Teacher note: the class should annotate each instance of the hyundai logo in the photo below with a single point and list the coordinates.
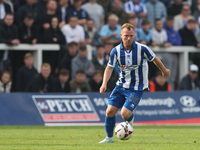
(188, 101)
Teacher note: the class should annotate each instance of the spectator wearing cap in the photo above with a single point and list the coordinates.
(110, 32)
(62, 82)
(66, 61)
(73, 31)
(191, 81)
(76, 10)
(82, 62)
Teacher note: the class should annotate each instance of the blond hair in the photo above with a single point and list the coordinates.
(46, 65)
(28, 55)
(128, 26)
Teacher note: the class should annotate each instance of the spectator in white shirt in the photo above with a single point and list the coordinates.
(159, 35)
(72, 31)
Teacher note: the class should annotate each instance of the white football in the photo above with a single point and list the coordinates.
(124, 131)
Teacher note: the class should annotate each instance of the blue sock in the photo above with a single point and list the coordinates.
(131, 117)
(109, 125)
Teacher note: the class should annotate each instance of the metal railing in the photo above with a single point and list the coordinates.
(37, 49)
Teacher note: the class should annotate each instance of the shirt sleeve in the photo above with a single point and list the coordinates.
(112, 59)
(103, 31)
(148, 53)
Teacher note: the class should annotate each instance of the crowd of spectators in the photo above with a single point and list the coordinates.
(75, 24)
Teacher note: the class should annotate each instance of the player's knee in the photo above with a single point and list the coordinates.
(110, 113)
(125, 116)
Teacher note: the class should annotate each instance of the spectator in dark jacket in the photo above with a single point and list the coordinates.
(8, 31)
(45, 22)
(63, 8)
(5, 8)
(29, 8)
(118, 10)
(43, 82)
(100, 61)
(187, 34)
(191, 81)
(53, 34)
(66, 61)
(175, 8)
(96, 81)
(25, 73)
(27, 30)
(62, 83)
(50, 13)
(8, 35)
(42, 6)
(76, 10)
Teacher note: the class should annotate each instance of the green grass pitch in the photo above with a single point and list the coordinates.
(87, 138)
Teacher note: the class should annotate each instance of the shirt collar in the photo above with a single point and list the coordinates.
(122, 47)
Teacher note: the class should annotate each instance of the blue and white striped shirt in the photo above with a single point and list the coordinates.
(132, 64)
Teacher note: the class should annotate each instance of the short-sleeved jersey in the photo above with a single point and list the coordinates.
(132, 64)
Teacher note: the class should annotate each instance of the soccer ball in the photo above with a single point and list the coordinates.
(124, 131)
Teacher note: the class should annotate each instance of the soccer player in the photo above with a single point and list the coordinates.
(131, 58)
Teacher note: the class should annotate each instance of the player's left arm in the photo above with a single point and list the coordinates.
(160, 65)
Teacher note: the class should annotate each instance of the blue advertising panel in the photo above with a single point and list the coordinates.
(169, 108)
(18, 109)
(90, 108)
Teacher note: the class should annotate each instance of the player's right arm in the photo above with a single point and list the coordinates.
(108, 71)
(107, 74)
(160, 65)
